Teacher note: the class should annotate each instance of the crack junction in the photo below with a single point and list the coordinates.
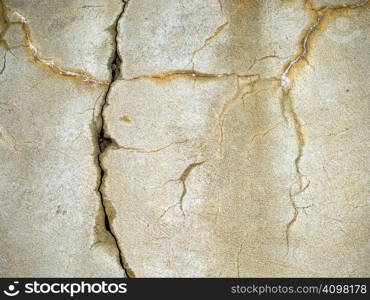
(287, 106)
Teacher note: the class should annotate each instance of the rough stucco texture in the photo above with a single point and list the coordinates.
(184, 138)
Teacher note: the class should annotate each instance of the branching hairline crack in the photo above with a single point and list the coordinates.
(102, 140)
(182, 179)
(287, 105)
(241, 92)
(215, 33)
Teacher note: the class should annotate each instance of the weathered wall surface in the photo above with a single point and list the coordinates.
(55, 57)
(184, 138)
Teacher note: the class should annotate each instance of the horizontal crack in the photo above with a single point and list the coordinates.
(192, 74)
(142, 150)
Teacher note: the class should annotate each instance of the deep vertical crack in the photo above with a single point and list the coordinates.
(103, 141)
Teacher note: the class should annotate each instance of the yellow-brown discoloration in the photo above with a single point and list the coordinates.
(11, 17)
(320, 17)
(126, 118)
(191, 74)
(101, 236)
(252, 87)
(216, 32)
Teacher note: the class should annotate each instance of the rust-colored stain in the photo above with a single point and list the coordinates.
(47, 63)
(320, 17)
(192, 74)
(125, 118)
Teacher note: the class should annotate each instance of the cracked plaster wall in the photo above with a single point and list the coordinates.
(184, 138)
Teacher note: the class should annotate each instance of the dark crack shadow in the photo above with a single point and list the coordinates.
(104, 141)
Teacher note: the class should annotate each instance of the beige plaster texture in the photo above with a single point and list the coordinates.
(207, 138)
